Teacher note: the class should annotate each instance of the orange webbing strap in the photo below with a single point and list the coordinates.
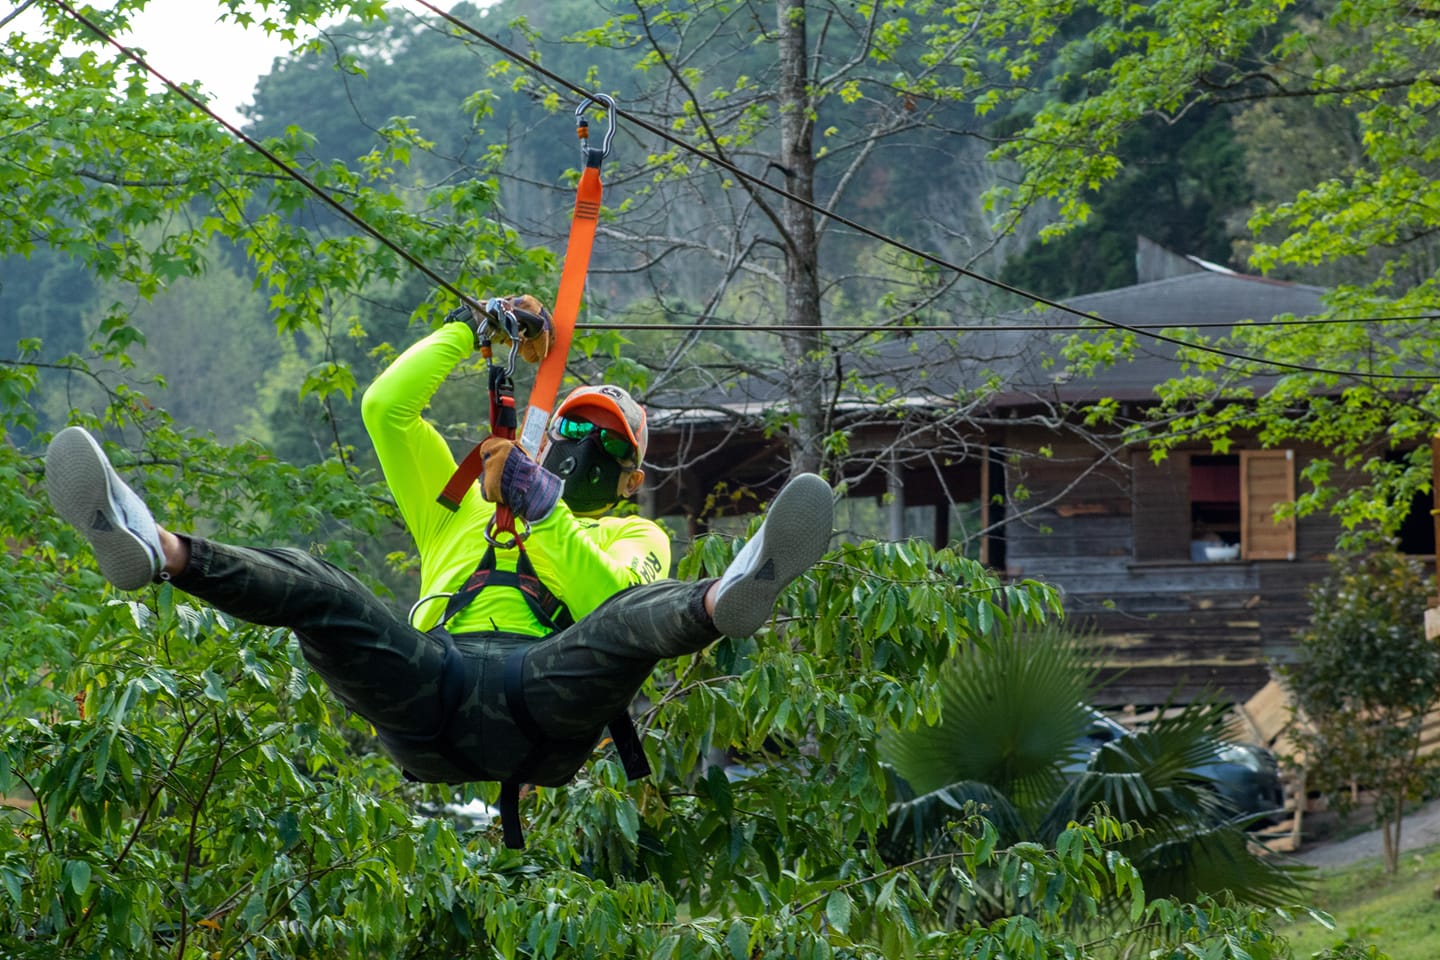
(562, 322)
(567, 308)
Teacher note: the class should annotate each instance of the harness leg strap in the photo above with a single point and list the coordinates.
(622, 732)
(510, 789)
(515, 698)
(510, 814)
(627, 745)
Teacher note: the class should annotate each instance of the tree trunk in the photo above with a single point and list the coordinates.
(802, 287)
(1392, 831)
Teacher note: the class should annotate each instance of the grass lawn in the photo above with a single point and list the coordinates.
(1399, 914)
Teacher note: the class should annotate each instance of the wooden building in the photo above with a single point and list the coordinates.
(1179, 565)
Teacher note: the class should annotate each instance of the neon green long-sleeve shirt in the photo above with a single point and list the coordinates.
(582, 560)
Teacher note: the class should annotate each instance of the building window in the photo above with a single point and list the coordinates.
(1214, 507)
(1210, 508)
(1416, 535)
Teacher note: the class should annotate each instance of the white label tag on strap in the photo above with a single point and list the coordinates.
(532, 430)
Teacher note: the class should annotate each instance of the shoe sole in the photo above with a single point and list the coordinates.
(794, 536)
(81, 482)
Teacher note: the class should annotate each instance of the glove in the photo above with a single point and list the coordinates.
(510, 477)
(521, 317)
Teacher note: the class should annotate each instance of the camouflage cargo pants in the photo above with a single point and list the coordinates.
(574, 681)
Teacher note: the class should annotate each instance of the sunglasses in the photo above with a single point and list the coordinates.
(612, 442)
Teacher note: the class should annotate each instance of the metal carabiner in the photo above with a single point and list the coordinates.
(591, 156)
(517, 535)
(499, 316)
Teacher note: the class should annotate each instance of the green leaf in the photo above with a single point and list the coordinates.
(78, 872)
(287, 829)
(738, 940)
(837, 910)
(215, 687)
(13, 886)
(717, 786)
(404, 851)
(628, 818)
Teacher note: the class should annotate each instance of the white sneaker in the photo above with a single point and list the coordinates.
(794, 535)
(89, 495)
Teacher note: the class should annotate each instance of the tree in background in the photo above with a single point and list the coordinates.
(1184, 188)
(908, 86)
(140, 190)
(687, 241)
(1364, 678)
(878, 112)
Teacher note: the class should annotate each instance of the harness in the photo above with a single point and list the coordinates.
(554, 616)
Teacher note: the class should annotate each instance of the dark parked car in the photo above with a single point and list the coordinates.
(1246, 775)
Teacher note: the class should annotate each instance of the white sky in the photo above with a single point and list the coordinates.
(184, 40)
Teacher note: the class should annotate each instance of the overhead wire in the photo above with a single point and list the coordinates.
(907, 329)
(924, 255)
(16, 12)
(1145, 330)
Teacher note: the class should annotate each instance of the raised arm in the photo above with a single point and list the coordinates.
(415, 458)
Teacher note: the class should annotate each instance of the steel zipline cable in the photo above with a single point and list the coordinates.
(16, 12)
(1144, 330)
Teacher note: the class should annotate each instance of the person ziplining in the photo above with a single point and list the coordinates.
(542, 640)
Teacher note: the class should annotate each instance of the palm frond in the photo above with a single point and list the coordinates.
(1187, 861)
(1012, 718)
(919, 826)
(1010, 714)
